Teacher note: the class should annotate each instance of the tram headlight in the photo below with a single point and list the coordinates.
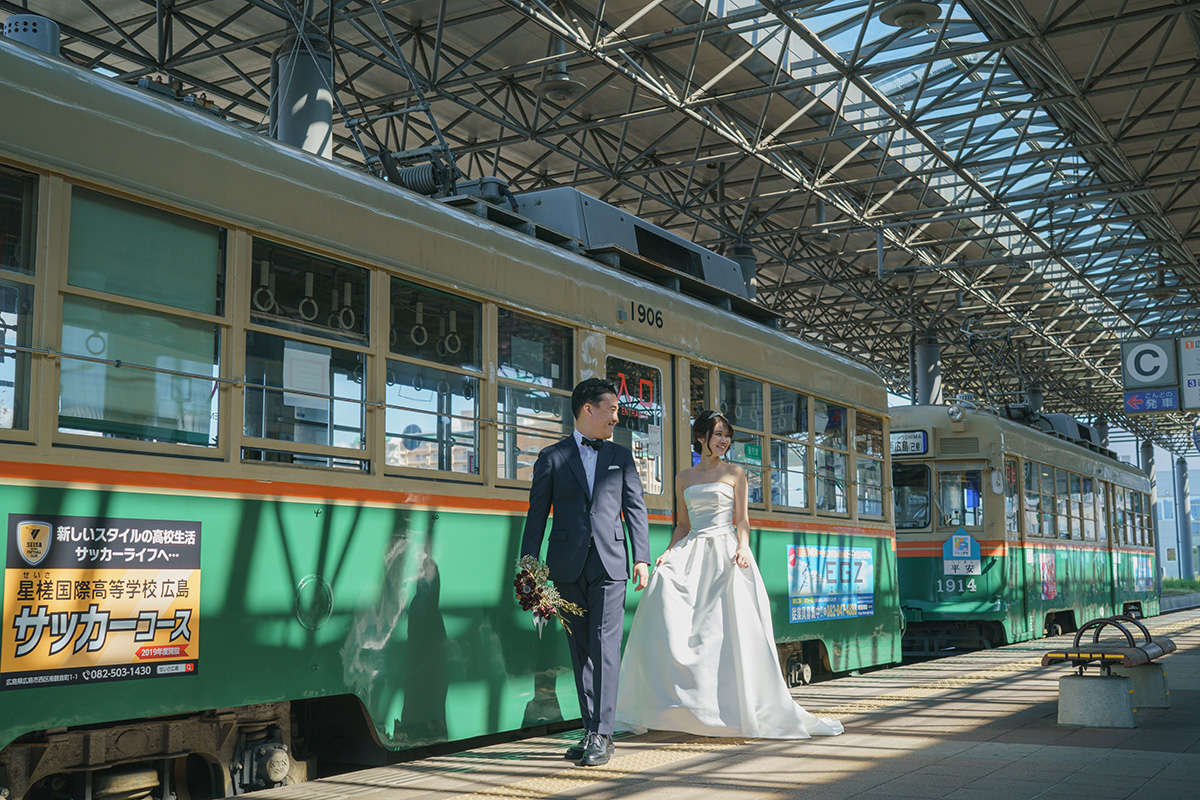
(956, 413)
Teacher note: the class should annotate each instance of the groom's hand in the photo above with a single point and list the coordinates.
(641, 575)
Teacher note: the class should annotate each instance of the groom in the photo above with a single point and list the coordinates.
(591, 483)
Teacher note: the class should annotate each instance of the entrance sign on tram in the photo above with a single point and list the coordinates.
(1149, 364)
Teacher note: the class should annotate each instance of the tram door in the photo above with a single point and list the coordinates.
(644, 385)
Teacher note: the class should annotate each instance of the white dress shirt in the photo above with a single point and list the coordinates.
(589, 456)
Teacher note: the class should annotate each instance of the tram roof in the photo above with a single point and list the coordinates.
(1027, 169)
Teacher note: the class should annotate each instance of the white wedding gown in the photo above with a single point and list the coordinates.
(701, 651)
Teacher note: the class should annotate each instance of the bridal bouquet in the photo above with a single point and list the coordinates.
(535, 594)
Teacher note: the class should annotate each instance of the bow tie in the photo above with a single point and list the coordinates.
(592, 443)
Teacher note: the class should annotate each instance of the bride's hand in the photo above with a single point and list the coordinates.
(658, 561)
(742, 557)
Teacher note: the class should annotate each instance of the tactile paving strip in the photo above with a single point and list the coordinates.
(619, 767)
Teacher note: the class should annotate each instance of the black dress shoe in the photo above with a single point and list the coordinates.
(576, 751)
(599, 751)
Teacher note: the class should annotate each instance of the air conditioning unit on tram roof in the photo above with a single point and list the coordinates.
(1069, 428)
(600, 225)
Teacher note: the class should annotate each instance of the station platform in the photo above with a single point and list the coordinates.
(975, 726)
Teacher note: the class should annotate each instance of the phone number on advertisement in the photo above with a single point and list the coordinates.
(105, 673)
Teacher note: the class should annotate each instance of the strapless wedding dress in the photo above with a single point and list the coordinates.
(701, 651)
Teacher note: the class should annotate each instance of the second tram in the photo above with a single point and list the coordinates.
(1008, 532)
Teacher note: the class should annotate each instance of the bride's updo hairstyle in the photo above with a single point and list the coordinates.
(704, 427)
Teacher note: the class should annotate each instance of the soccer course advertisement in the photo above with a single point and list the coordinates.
(96, 599)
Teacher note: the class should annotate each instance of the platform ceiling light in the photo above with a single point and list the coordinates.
(821, 234)
(910, 14)
(1160, 290)
(559, 86)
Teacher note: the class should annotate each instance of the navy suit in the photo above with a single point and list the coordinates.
(588, 560)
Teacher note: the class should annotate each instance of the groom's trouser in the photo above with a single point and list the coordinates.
(595, 641)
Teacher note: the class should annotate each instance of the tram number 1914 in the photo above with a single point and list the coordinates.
(645, 315)
(952, 586)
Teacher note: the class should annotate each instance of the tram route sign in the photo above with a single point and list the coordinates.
(1149, 364)
(1189, 372)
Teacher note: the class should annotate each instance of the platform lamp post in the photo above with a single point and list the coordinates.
(1183, 509)
(1148, 468)
(927, 355)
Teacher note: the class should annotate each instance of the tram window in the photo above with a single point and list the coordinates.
(829, 425)
(741, 401)
(536, 374)
(1076, 506)
(1033, 499)
(960, 499)
(530, 419)
(303, 293)
(432, 419)
(911, 484)
(789, 414)
(1062, 507)
(1012, 497)
(304, 393)
(1120, 516)
(789, 448)
(698, 393)
(144, 253)
(640, 418)
(1049, 509)
(435, 326)
(1088, 493)
(868, 443)
(831, 481)
(789, 473)
(164, 391)
(16, 317)
(1147, 521)
(868, 435)
(18, 204)
(870, 487)
(1127, 518)
(829, 432)
(1103, 524)
(747, 451)
(1138, 528)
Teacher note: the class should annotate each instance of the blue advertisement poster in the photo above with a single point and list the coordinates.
(830, 582)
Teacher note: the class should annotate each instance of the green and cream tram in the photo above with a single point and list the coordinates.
(266, 430)
(1008, 532)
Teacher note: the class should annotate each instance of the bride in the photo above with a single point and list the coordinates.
(701, 651)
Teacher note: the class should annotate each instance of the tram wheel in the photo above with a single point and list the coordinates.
(1054, 629)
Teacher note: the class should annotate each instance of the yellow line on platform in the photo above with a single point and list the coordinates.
(619, 767)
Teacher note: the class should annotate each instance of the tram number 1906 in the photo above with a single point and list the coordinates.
(645, 315)
(956, 586)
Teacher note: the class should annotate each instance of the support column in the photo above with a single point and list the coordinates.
(1183, 519)
(302, 95)
(928, 358)
(1148, 468)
